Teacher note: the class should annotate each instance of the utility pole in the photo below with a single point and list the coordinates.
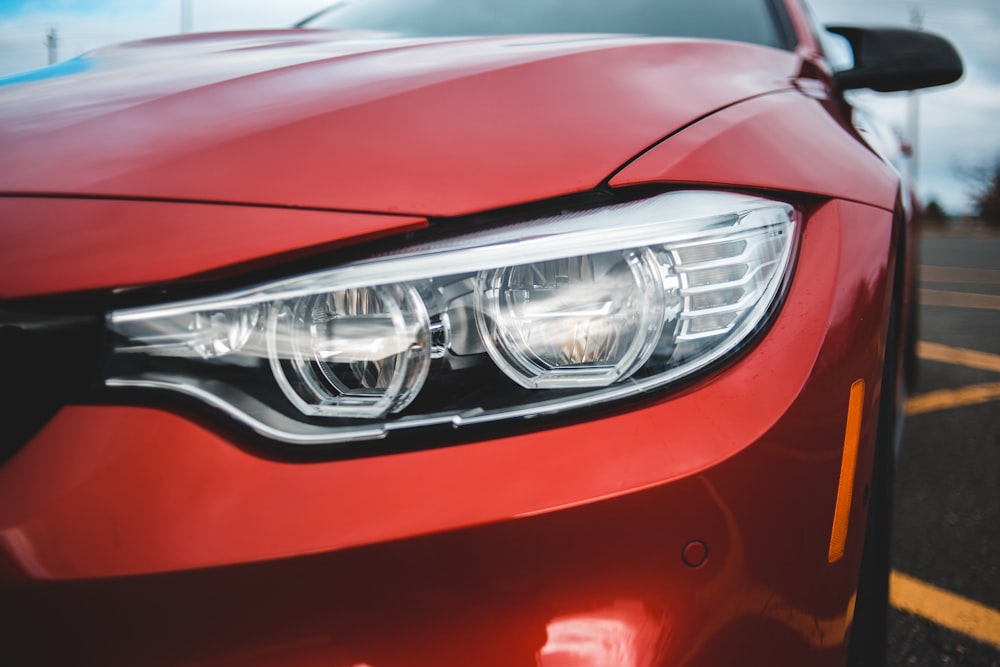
(185, 16)
(52, 44)
(913, 103)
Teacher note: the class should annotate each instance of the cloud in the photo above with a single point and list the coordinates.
(957, 123)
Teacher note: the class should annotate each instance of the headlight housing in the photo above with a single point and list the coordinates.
(530, 318)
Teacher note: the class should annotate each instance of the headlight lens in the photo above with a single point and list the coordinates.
(574, 322)
(357, 352)
(531, 318)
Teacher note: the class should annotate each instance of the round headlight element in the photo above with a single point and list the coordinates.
(361, 352)
(583, 321)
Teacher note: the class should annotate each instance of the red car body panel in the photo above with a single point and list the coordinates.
(437, 128)
(596, 523)
(802, 146)
(111, 244)
(692, 529)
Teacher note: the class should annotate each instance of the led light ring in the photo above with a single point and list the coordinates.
(507, 333)
(316, 388)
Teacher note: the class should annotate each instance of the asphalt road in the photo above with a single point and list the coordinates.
(947, 502)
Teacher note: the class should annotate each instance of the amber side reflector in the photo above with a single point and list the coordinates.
(842, 511)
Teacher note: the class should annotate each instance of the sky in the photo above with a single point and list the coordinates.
(958, 124)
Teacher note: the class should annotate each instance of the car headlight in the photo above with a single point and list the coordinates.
(531, 318)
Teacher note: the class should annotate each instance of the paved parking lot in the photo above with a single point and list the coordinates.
(946, 541)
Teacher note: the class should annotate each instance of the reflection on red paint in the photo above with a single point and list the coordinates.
(623, 635)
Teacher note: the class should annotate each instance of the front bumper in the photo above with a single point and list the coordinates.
(137, 536)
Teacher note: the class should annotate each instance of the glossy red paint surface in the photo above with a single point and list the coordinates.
(786, 141)
(590, 534)
(55, 246)
(138, 536)
(208, 503)
(430, 128)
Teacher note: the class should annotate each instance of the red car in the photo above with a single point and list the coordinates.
(454, 332)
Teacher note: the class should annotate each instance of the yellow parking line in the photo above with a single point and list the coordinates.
(933, 297)
(953, 398)
(958, 274)
(946, 609)
(959, 356)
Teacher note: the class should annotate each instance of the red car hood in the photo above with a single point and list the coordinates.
(362, 122)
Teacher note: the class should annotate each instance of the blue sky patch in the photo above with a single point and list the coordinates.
(9, 8)
(65, 68)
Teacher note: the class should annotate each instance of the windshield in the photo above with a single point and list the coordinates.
(755, 21)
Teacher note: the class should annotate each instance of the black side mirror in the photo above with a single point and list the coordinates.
(894, 59)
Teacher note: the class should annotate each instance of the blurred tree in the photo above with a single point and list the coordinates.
(986, 192)
(933, 213)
